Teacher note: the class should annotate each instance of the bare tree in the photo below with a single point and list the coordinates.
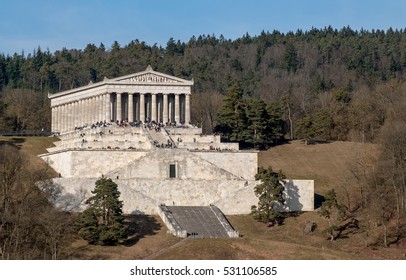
(10, 167)
(205, 107)
(27, 109)
(30, 226)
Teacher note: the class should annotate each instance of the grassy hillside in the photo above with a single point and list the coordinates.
(32, 147)
(329, 164)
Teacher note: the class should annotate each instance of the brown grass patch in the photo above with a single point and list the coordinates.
(329, 164)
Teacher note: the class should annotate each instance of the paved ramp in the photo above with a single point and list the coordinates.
(197, 222)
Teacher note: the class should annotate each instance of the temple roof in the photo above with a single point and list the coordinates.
(147, 77)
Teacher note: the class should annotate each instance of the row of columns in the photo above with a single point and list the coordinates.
(173, 108)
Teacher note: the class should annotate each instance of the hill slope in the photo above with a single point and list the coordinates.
(329, 164)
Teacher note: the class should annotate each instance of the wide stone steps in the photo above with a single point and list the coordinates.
(197, 221)
(157, 136)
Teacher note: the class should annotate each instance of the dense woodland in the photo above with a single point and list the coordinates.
(322, 84)
(338, 82)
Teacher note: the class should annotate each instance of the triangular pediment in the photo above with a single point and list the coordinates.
(149, 76)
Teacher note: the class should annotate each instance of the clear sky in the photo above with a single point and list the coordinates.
(54, 24)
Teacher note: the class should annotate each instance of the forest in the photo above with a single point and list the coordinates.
(326, 83)
(317, 85)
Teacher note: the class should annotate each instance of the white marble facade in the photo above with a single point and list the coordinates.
(144, 96)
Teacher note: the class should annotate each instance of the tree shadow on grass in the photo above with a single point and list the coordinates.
(140, 226)
(18, 140)
(15, 141)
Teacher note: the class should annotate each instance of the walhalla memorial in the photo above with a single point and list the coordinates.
(136, 130)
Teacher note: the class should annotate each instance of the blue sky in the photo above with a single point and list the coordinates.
(54, 24)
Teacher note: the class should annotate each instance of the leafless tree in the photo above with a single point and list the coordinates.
(205, 107)
(30, 226)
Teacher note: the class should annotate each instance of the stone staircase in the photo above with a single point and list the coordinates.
(159, 137)
(197, 221)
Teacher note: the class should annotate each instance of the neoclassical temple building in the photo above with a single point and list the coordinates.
(144, 96)
(144, 142)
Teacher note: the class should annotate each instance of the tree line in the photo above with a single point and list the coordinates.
(321, 80)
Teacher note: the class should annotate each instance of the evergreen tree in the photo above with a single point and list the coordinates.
(257, 132)
(334, 212)
(275, 122)
(323, 124)
(232, 117)
(291, 58)
(305, 129)
(270, 196)
(103, 222)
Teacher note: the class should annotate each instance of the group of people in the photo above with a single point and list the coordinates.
(169, 144)
(151, 125)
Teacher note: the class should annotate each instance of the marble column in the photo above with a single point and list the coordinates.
(98, 108)
(53, 118)
(119, 116)
(187, 109)
(170, 108)
(63, 117)
(88, 111)
(91, 110)
(101, 108)
(106, 107)
(59, 122)
(54, 127)
(112, 108)
(70, 116)
(136, 100)
(84, 111)
(165, 109)
(74, 114)
(130, 107)
(60, 117)
(153, 107)
(142, 107)
(80, 112)
(67, 116)
(59, 125)
(83, 114)
(86, 105)
(177, 109)
(148, 107)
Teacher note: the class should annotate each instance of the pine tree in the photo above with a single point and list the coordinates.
(291, 58)
(275, 122)
(103, 221)
(334, 212)
(305, 129)
(257, 132)
(270, 196)
(232, 116)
